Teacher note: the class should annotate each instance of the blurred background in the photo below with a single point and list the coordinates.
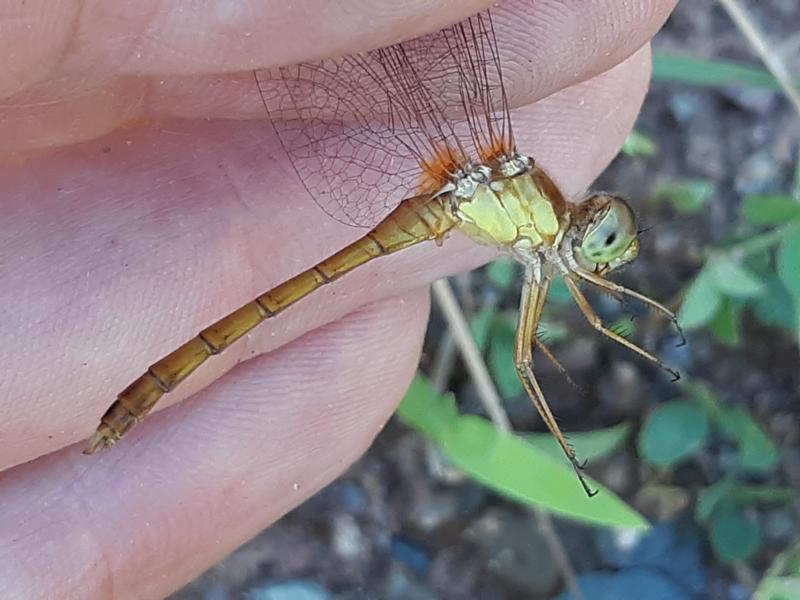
(712, 462)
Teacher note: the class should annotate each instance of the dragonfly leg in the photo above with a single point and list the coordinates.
(533, 297)
(597, 323)
(621, 291)
(540, 345)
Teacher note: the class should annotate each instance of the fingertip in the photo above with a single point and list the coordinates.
(195, 481)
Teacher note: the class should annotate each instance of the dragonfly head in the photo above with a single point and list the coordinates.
(608, 239)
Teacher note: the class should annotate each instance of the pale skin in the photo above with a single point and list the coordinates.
(110, 250)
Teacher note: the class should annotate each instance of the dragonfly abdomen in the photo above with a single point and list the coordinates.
(415, 220)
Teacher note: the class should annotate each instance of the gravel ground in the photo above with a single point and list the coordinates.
(401, 524)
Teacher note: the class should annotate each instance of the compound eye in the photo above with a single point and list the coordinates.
(610, 235)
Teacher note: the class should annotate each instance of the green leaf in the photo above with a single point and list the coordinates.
(701, 302)
(480, 324)
(734, 536)
(588, 445)
(672, 432)
(710, 72)
(686, 197)
(776, 307)
(778, 588)
(756, 450)
(763, 494)
(508, 464)
(711, 497)
(639, 144)
(770, 210)
(732, 278)
(789, 262)
(514, 468)
(559, 294)
(425, 410)
(501, 358)
(725, 323)
(503, 272)
(624, 326)
(728, 490)
(782, 579)
(550, 331)
(704, 396)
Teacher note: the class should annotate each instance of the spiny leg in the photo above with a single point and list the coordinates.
(613, 287)
(531, 304)
(552, 358)
(595, 322)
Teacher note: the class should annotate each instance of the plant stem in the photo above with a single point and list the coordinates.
(487, 392)
(760, 242)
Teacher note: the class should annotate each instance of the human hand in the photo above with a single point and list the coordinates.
(125, 230)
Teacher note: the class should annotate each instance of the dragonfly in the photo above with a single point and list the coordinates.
(414, 142)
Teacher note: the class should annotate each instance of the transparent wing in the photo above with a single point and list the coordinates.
(366, 131)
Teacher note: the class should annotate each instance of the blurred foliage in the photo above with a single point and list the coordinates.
(675, 431)
(522, 469)
(710, 72)
(638, 144)
(755, 271)
(500, 358)
(782, 580)
(687, 197)
(759, 272)
(592, 445)
(672, 432)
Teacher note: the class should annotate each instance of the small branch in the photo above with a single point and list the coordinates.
(762, 241)
(773, 61)
(487, 392)
(443, 362)
(459, 329)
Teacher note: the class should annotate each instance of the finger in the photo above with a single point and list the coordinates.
(545, 46)
(126, 254)
(188, 489)
(194, 481)
(116, 39)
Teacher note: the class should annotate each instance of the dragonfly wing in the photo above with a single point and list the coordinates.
(366, 131)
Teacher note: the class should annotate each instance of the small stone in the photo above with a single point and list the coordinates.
(618, 472)
(754, 99)
(687, 105)
(779, 525)
(401, 585)
(757, 174)
(671, 548)
(459, 558)
(515, 551)
(347, 539)
(676, 355)
(440, 468)
(434, 511)
(736, 591)
(410, 554)
(704, 153)
(580, 354)
(344, 495)
(216, 590)
(298, 589)
(662, 502)
(621, 391)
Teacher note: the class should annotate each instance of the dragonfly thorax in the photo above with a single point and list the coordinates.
(520, 213)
